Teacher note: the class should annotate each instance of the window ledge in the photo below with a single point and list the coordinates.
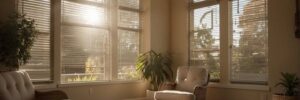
(240, 86)
(69, 85)
(45, 86)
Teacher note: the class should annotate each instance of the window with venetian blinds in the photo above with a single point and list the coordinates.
(248, 36)
(205, 39)
(249, 41)
(100, 42)
(38, 66)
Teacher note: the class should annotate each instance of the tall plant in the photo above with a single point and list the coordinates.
(155, 68)
(17, 35)
(290, 83)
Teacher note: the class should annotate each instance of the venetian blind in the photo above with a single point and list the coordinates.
(128, 38)
(205, 39)
(38, 66)
(249, 41)
(85, 41)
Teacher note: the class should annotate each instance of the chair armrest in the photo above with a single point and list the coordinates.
(50, 95)
(167, 86)
(200, 92)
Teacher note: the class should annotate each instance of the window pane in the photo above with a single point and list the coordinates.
(83, 14)
(249, 41)
(128, 19)
(128, 47)
(205, 40)
(38, 66)
(129, 3)
(85, 54)
(86, 47)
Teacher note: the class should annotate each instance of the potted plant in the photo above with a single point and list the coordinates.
(17, 35)
(290, 84)
(155, 68)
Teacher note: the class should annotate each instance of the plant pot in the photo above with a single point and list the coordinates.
(283, 97)
(150, 94)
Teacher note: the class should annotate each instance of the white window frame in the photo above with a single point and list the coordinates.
(56, 48)
(225, 46)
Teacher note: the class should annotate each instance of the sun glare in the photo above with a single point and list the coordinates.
(92, 16)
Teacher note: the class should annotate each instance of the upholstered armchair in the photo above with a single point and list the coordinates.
(16, 85)
(190, 84)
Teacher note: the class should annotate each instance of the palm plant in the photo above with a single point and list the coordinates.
(155, 68)
(290, 83)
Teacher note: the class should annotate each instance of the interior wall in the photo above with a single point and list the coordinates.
(115, 91)
(156, 15)
(7, 8)
(284, 48)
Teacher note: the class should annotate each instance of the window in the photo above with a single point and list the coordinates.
(205, 39)
(38, 66)
(100, 39)
(249, 41)
(245, 46)
(128, 38)
(100, 42)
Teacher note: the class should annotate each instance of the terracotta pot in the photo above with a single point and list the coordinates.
(283, 97)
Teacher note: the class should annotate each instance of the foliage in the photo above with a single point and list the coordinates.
(251, 51)
(155, 68)
(203, 39)
(82, 78)
(17, 35)
(290, 83)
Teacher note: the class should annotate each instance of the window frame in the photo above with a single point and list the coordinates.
(226, 30)
(56, 45)
(192, 7)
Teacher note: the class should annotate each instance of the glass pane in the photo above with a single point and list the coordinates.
(86, 54)
(81, 14)
(128, 49)
(129, 3)
(128, 19)
(205, 40)
(38, 67)
(249, 40)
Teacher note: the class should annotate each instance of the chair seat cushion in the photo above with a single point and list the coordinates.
(173, 95)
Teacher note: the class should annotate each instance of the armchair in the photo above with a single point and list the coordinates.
(191, 83)
(16, 85)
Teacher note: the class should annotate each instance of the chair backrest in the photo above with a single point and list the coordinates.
(16, 85)
(189, 77)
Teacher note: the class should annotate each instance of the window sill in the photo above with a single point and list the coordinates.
(69, 85)
(240, 86)
(45, 86)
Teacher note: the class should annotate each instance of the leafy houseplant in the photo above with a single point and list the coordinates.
(290, 84)
(17, 35)
(155, 68)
